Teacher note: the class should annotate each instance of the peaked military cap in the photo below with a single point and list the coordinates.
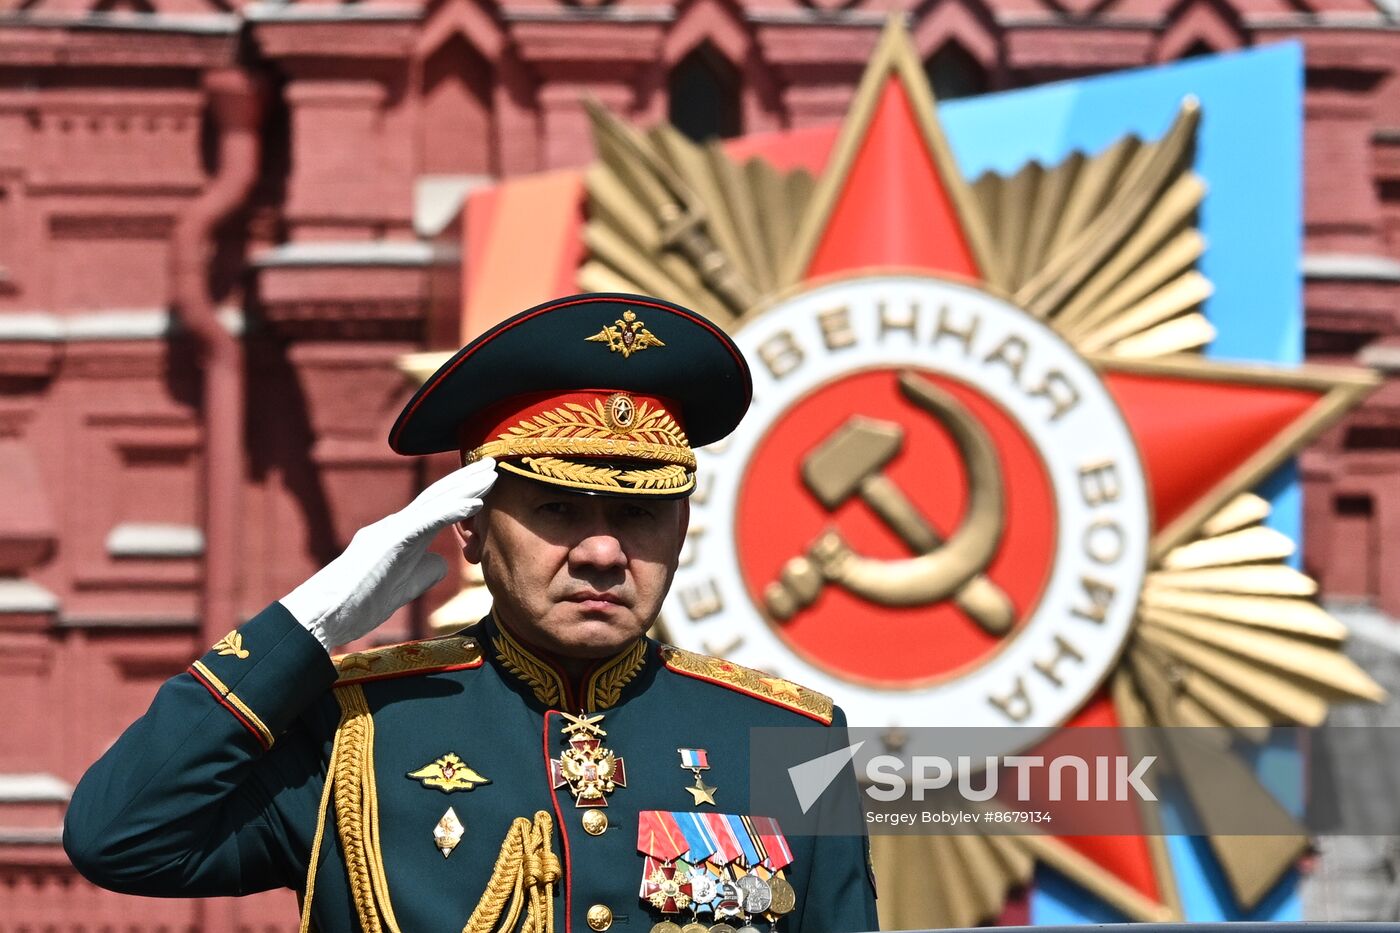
(601, 393)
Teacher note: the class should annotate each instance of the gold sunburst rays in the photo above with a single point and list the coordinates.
(977, 873)
(1105, 247)
(1202, 762)
(1228, 635)
(685, 222)
(1229, 638)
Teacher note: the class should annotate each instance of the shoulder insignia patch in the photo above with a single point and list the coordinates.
(232, 643)
(775, 690)
(449, 653)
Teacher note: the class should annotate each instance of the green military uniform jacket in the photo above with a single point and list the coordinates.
(217, 789)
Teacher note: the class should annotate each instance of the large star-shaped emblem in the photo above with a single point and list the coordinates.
(890, 196)
(1224, 633)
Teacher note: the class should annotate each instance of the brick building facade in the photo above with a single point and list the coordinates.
(221, 223)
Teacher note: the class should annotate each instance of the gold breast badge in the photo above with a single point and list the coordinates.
(590, 770)
(447, 774)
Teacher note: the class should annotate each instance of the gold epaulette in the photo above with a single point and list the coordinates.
(774, 690)
(449, 653)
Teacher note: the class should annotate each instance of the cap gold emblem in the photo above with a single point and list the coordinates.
(621, 412)
(627, 335)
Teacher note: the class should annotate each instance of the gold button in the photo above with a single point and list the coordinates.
(595, 822)
(599, 917)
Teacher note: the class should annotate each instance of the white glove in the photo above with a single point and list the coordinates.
(387, 564)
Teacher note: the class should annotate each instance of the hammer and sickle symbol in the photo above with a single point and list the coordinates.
(851, 462)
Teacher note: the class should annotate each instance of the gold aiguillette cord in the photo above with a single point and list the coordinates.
(526, 862)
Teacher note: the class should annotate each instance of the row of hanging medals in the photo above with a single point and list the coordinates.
(592, 772)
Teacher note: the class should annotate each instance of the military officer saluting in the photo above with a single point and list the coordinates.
(550, 768)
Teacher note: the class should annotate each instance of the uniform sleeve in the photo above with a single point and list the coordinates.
(214, 791)
(840, 895)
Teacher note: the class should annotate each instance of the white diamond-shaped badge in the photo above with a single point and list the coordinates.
(448, 832)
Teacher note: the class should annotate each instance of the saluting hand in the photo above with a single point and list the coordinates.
(387, 563)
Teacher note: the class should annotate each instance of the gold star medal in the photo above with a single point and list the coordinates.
(696, 760)
(590, 770)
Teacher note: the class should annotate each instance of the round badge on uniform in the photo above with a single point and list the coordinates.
(757, 894)
(620, 411)
(784, 897)
(595, 822)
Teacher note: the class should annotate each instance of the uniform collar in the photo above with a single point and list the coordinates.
(600, 687)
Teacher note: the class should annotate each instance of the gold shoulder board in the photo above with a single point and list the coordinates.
(775, 690)
(449, 653)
